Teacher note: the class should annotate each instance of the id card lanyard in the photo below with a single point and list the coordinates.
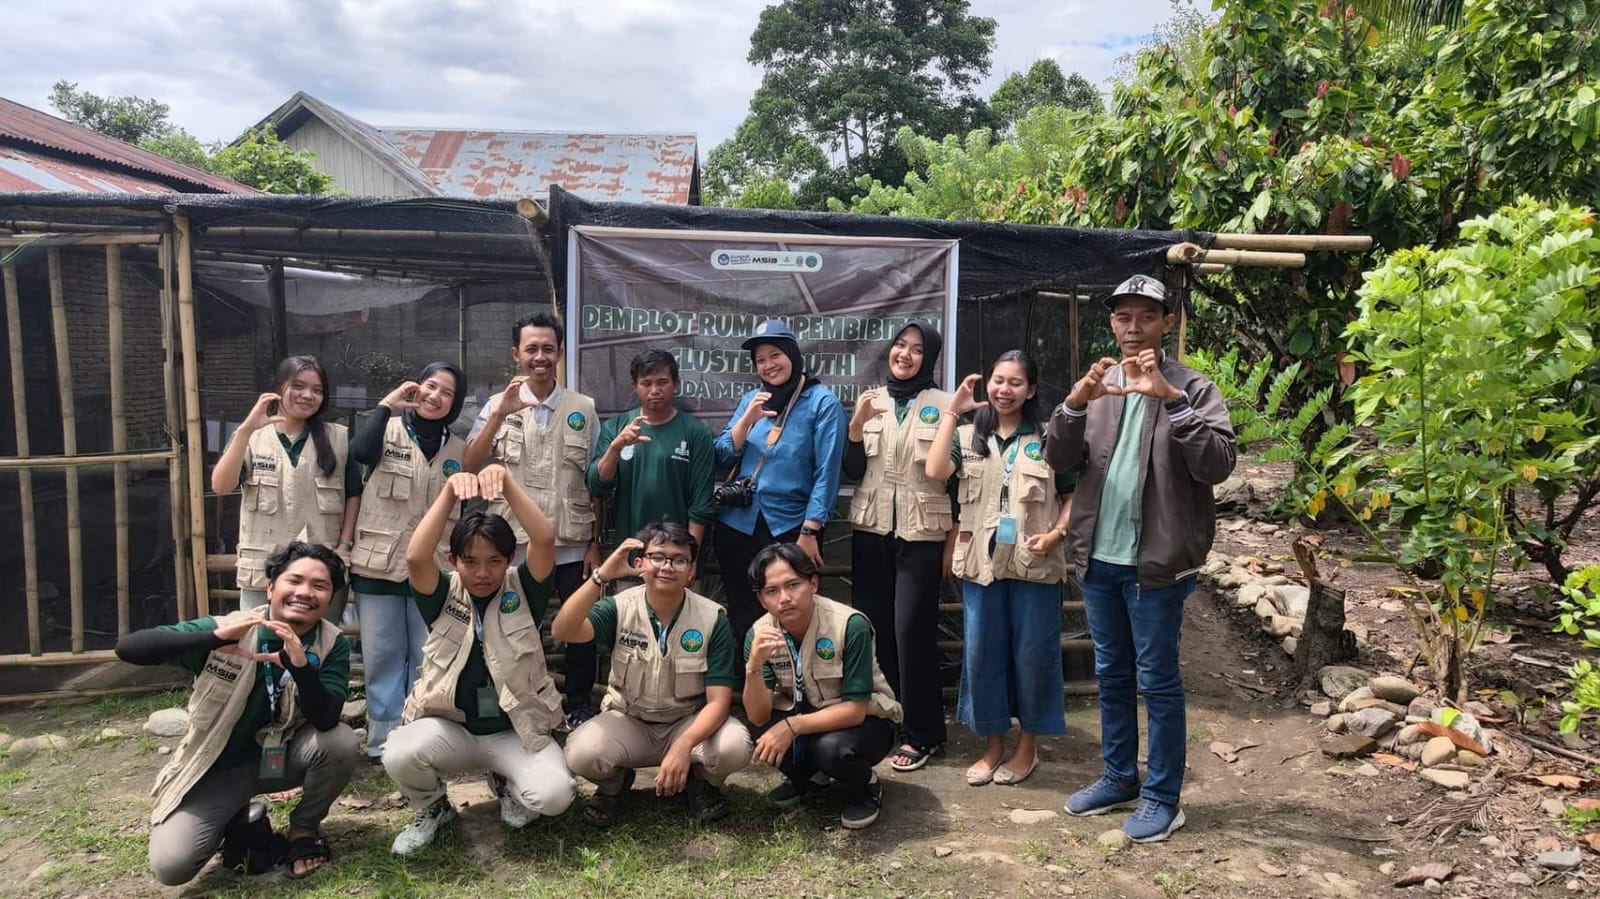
(274, 755)
(488, 697)
(798, 668)
(1005, 533)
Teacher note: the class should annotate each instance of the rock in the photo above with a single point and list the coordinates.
(1491, 841)
(1466, 758)
(1233, 524)
(1031, 816)
(1421, 707)
(40, 871)
(1560, 860)
(1347, 704)
(1474, 707)
(1466, 724)
(1265, 610)
(1519, 878)
(1366, 770)
(1249, 594)
(1450, 780)
(168, 722)
(111, 733)
(1348, 746)
(1114, 840)
(1339, 681)
(1283, 625)
(1437, 751)
(1290, 644)
(1322, 708)
(1267, 529)
(5, 739)
(1371, 722)
(1386, 869)
(1292, 599)
(1408, 735)
(27, 747)
(1394, 689)
(1229, 580)
(163, 750)
(942, 851)
(353, 711)
(1336, 724)
(1555, 808)
(1232, 494)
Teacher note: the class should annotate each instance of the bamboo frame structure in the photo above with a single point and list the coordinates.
(1190, 253)
(281, 233)
(191, 410)
(88, 460)
(69, 445)
(77, 657)
(178, 509)
(19, 409)
(76, 240)
(1305, 243)
(119, 427)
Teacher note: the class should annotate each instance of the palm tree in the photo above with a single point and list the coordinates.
(1411, 18)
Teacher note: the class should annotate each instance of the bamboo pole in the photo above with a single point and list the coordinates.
(175, 492)
(119, 428)
(1338, 243)
(76, 240)
(80, 227)
(530, 209)
(278, 289)
(54, 696)
(69, 444)
(191, 413)
(1188, 253)
(50, 659)
(19, 411)
(1210, 268)
(1183, 330)
(264, 231)
(84, 461)
(461, 329)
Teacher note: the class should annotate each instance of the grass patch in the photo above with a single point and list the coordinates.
(107, 707)
(10, 777)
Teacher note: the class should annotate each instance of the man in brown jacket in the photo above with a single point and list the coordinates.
(1147, 438)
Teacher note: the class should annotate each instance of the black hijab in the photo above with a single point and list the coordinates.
(430, 432)
(932, 343)
(797, 368)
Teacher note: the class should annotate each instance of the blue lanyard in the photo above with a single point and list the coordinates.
(799, 672)
(1011, 464)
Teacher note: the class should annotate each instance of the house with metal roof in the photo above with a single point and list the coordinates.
(369, 161)
(40, 152)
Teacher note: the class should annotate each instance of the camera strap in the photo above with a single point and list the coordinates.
(772, 435)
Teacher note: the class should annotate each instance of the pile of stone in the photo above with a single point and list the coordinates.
(1367, 713)
(1261, 587)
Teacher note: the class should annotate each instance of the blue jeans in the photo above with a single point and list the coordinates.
(392, 634)
(1012, 664)
(1135, 634)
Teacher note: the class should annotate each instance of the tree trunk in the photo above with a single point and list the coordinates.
(1323, 639)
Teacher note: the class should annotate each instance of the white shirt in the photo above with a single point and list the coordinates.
(543, 411)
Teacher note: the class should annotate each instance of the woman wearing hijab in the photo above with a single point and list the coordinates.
(409, 457)
(787, 436)
(902, 521)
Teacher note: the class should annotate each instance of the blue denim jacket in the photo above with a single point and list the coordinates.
(801, 478)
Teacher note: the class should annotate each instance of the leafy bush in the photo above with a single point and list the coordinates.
(1580, 614)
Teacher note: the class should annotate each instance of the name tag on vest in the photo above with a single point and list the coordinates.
(398, 454)
(633, 640)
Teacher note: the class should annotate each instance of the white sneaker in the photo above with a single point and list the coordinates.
(424, 826)
(515, 815)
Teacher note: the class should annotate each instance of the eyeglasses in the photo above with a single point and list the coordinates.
(662, 560)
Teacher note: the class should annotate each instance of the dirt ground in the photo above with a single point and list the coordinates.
(1277, 822)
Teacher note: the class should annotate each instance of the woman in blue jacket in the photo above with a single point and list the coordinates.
(788, 434)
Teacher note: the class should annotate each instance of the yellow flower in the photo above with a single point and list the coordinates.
(1529, 472)
(1461, 522)
(1461, 613)
(1538, 433)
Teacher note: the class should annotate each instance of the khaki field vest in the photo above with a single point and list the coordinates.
(1033, 501)
(218, 699)
(895, 493)
(282, 502)
(513, 651)
(645, 684)
(552, 465)
(822, 663)
(402, 487)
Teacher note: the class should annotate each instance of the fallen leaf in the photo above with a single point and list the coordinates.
(1560, 781)
(1224, 751)
(1592, 840)
(1492, 635)
(1587, 805)
(1424, 873)
(355, 802)
(1461, 740)
(1272, 870)
(1547, 844)
(1394, 761)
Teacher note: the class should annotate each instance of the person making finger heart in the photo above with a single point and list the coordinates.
(1147, 437)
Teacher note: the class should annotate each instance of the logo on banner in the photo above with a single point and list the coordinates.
(765, 261)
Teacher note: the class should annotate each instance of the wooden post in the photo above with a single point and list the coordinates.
(279, 291)
(461, 331)
(181, 574)
(191, 412)
(19, 411)
(69, 444)
(1323, 639)
(119, 427)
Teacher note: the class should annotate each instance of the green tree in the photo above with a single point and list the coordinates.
(180, 146)
(263, 161)
(130, 119)
(1042, 85)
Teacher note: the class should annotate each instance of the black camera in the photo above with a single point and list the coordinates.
(735, 494)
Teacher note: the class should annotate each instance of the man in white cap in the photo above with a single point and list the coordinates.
(1147, 437)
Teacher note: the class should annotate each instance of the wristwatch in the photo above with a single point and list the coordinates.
(807, 530)
(598, 580)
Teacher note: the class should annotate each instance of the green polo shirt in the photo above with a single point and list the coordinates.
(334, 672)
(476, 672)
(719, 652)
(1064, 480)
(1116, 529)
(668, 479)
(857, 685)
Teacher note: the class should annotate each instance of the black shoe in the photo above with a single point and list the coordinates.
(577, 716)
(788, 794)
(862, 812)
(248, 842)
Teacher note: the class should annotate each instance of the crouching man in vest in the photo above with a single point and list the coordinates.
(261, 674)
(483, 698)
(672, 674)
(821, 696)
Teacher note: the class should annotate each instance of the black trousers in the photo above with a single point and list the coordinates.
(845, 755)
(735, 552)
(582, 660)
(896, 585)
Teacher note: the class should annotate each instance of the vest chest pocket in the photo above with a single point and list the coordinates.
(922, 438)
(373, 549)
(864, 507)
(829, 676)
(579, 524)
(1031, 481)
(968, 486)
(689, 677)
(263, 486)
(575, 449)
(330, 495)
(872, 437)
(394, 479)
(520, 632)
(252, 563)
(512, 444)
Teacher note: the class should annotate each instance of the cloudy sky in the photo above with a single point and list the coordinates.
(536, 65)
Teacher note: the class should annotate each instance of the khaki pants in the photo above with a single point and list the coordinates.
(606, 746)
(320, 761)
(420, 755)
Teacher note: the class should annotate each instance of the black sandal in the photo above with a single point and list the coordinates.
(706, 802)
(601, 809)
(305, 849)
(917, 756)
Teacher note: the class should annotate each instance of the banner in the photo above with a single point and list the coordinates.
(699, 294)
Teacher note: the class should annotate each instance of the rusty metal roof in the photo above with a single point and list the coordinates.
(632, 168)
(21, 170)
(68, 148)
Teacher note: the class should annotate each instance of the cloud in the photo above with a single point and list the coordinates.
(598, 65)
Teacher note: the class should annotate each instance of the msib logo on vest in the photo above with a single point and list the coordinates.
(825, 649)
(929, 415)
(692, 640)
(509, 602)
(451, 467)
(1033, 451)
(576, 421)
